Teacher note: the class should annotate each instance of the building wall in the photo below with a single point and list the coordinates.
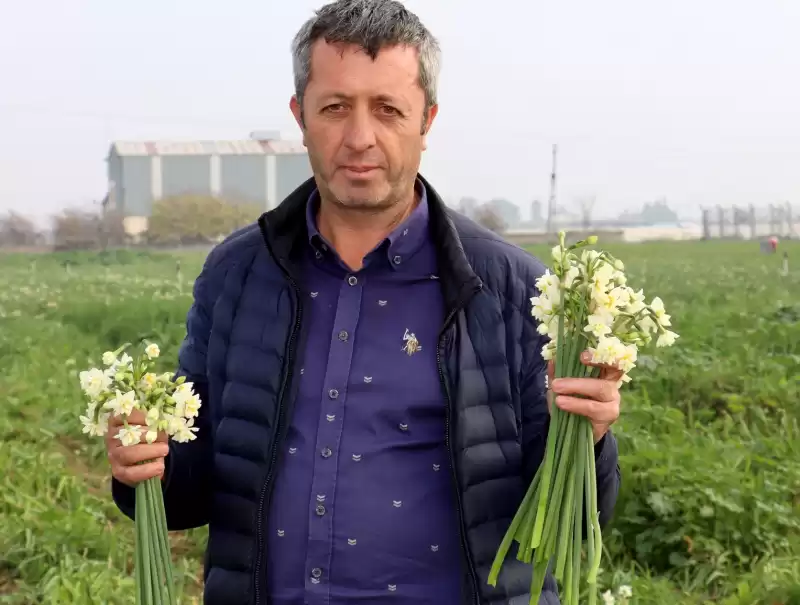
(290, 172)
(185, 174)
(134, 186)
(244, 178)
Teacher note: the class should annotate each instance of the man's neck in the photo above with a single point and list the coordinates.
(354, 234)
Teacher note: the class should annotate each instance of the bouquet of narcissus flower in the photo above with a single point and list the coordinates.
(125, 385)
(585, 304)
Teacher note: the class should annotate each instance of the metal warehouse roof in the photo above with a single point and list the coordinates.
(241, 147)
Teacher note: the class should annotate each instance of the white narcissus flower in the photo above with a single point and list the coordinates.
(608, 598)
(597, 326)
(151, 436)
(666, 339)
(608, 350)
(149, 381)
(657, 306)
(130, 435)
(542, 307)
(571, 275)
(109, 358)
(625, 592)
(152, 350)
(152, 417)
(94, 382)
(126, 403)
(192, 407)
(548, 351)
(125, 361)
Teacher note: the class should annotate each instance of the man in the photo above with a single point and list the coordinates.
(374, 400)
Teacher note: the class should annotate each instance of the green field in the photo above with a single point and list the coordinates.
(709, 510)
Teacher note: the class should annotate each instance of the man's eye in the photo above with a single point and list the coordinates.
(334, 108)
(389, 110)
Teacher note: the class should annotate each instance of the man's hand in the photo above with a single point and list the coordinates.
(125, 460)
(596, 398)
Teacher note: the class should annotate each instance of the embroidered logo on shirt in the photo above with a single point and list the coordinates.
(382, 303)
(356, 457)
(412, 344)
(292, 450)
(314, 294)
(281, 533)
(330, 417)
(367, 379)
(320, 497)
(351, 541)
(436, 467)
(392, 587)
(434, 548)
(397, 503)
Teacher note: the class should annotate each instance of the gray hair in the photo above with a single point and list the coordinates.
(372, 25)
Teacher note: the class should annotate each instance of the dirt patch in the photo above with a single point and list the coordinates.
(8, 584)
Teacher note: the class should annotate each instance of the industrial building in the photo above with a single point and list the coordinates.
(262, 170)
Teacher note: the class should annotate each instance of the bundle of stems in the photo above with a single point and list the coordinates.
(153, 567)
(562, 498)
(584, 305)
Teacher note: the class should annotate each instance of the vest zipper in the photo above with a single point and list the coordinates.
(258, 575)
(475, 597)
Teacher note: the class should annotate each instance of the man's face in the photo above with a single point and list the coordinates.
(363, 123)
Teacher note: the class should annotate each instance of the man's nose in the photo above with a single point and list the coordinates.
(360, 131)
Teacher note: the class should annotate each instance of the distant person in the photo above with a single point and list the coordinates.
(374, 392)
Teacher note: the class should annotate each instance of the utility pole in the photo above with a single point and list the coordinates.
(551, 204)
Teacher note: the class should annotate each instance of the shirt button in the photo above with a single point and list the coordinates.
(316, 573)
(397, 260)
(320, 510)
(352, 280)
(326, 452)
(318, 254)
(343, 335)
(333, 393)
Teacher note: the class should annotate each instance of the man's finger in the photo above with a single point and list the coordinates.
(132, 475)
(134, 454)
(597, 411)
(590, 388)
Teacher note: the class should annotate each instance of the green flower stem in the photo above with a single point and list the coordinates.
(566, 461)
(161, 514)
(577, 532)
(138, 569)
(155, 580)
(564, 541)
(591, 511)
(549, 449)
(508, 539)
(160, 544)
(144, 544)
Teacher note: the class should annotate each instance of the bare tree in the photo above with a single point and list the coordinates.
(490, 219)
(17, 230)
(586, 205)
(77, 230)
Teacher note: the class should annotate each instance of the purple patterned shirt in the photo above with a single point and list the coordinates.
(363, 508)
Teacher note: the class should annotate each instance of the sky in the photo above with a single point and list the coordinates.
(695, 101)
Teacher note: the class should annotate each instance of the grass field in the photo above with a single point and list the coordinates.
(709, 510)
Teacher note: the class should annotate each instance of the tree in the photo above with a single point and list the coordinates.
(586, 205)
(77, 230)
(17, 230)
(490, 219)
(197, 219)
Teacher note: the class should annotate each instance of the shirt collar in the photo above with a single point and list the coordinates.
(400, 245)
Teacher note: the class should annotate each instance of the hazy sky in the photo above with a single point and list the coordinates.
(695, 100)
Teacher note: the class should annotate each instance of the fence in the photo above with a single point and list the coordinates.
(751, 223)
